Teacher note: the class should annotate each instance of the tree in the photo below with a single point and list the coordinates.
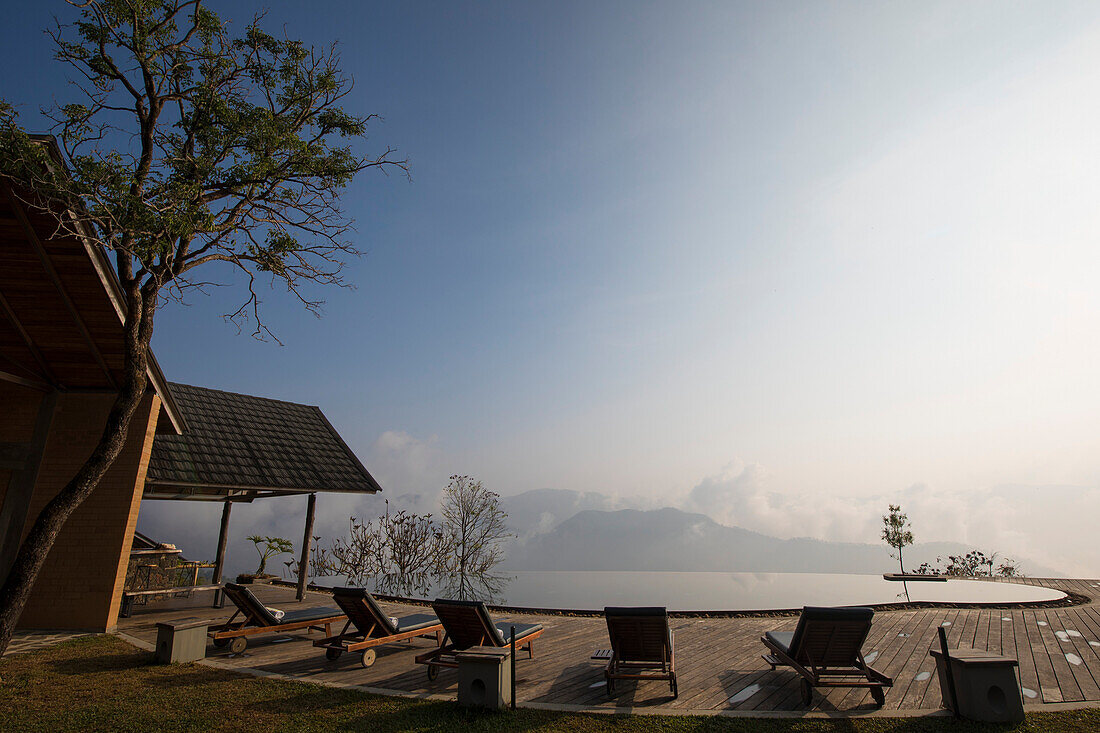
(321, 562)
(475, 529)
(406, 553)
(988, 561)
(973, 564)
(186, 147)
(896, 533)
(964, 566)
(269, 547)
(414, 547)
(398, 553)
(359, 556)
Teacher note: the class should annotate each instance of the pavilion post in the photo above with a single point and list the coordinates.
(219, 561)
(307, 540)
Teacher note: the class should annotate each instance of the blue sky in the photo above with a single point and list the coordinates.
(834, 252)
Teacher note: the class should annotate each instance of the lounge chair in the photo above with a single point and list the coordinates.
(373, 627)
(468, 624)
(641, 647)
(259, 620)
(826, 650)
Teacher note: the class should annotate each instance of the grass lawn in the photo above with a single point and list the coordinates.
(102, 683)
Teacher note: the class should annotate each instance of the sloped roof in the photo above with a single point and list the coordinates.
(61, 307)
(239, 446)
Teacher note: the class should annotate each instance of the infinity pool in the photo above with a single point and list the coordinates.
(584, 590)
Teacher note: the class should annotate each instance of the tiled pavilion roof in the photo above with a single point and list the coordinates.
(240, 446)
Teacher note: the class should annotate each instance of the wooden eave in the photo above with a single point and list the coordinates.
(214, 492)
(61, 308)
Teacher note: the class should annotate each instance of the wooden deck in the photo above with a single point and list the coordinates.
(718, 659)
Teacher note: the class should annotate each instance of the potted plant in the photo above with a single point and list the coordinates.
(266, 548)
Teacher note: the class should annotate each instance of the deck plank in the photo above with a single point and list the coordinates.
(1044, 670)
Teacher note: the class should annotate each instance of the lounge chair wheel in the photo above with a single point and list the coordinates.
(368, 658)
(807, 692)
(878, 695)
(237, 645)
(433, 672)
(333, 654)
(221, 643)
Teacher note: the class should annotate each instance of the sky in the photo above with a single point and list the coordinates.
(780, 263)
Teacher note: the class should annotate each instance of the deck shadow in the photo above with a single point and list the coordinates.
(348, 670)
(579, 684)
(574, 681)
(746, 689)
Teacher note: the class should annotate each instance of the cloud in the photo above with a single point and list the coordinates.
(738, 495)
(412, 471)
(1050, 525)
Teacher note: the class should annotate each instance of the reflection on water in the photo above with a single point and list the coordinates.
(592, 590)
(487, 587)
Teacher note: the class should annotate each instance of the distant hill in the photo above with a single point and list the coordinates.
(541, 510)
(674, 540)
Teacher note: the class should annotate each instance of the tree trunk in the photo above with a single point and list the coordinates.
(47, 526)
(901, 561)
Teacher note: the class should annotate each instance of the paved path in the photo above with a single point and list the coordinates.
(718, 659)
(29, 641)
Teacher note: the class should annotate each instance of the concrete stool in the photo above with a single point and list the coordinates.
(182, 640)
(484, 677)
(986, 687)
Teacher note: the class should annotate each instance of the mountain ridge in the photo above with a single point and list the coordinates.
(671, 539)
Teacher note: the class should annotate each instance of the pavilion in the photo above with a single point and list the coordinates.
(238, 448)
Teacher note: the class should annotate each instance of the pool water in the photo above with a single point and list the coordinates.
(680, 591)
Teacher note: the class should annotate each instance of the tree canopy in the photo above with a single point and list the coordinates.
(896, 532)
(189, 145)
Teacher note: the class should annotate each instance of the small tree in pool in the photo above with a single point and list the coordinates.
(269, 547)
(896, 533)
(475, 529)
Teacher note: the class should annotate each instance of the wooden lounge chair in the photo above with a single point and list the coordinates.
(258, 620)
(373, 627)
(826, 650)
(641, 647)
(468, 624)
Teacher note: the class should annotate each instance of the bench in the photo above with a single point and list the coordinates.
(128, 597)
